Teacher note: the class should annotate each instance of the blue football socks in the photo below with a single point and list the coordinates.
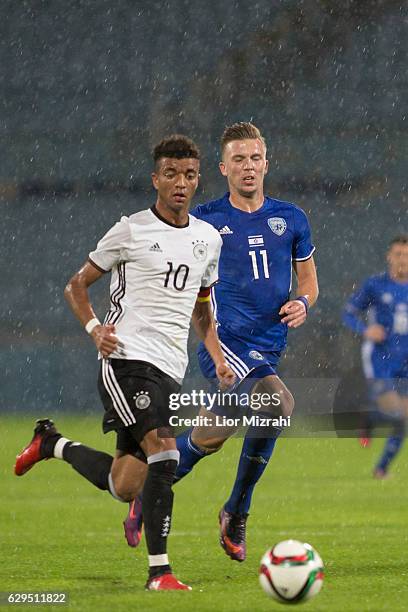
(254, 458)
(392, 446)
(190, 454)
(395, 440)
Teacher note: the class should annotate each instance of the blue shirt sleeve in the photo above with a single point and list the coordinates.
(356, 306)
(302, 246)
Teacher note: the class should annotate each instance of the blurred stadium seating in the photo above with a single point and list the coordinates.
(88, 89)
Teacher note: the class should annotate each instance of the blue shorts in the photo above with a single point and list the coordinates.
(247, 362)
(384, 371)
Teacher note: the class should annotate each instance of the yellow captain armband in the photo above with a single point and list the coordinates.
(204, 295)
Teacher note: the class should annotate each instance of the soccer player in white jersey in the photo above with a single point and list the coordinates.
(163, 263)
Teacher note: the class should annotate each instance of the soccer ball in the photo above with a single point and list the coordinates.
(291, 572)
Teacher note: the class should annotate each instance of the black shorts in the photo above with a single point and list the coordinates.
(135, 395)
(127, 445)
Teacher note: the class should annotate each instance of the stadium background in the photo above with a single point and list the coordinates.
(89, 87)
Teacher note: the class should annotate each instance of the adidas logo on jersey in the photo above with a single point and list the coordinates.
(156, 247)
(226, 230)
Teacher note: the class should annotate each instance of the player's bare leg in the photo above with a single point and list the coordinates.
(211, 437)
(273, 385)
(128, 474)
(390, 402)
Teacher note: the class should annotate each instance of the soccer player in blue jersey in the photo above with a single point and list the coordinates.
(384, 299)
(264, 239)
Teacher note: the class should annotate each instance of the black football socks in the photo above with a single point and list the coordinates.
(92, 464)
(157, 509)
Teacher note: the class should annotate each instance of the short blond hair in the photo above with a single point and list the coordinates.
(241, 131)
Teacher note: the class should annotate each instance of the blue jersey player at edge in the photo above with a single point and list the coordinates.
(384, 299)
(263, 240)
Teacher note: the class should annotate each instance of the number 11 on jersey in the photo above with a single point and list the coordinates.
(264, 256)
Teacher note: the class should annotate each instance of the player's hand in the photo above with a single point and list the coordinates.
(294, 313)
(375, 333)
(105, 340)
(225, 375)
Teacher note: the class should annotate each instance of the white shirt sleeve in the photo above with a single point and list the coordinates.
(210, 276)
(110, 249)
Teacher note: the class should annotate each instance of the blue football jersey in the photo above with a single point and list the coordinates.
(255, 267)
(386, 302)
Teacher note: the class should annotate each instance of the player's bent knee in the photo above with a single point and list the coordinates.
(122, 489)
(127, 494)
(281, 401)
(287, 404)
(208, 446)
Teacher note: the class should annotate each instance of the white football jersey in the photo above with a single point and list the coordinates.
(157, 271)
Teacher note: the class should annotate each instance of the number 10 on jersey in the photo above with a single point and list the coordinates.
(179, 276)
(264, 267)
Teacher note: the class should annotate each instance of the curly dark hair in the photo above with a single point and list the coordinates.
(176, 146)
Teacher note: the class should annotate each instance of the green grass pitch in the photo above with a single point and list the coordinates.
(58, 533)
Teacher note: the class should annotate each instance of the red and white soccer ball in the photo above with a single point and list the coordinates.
(291, 572)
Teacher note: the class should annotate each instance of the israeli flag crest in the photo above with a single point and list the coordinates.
(277, 225)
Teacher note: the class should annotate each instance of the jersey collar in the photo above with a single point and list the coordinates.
(244, 212)
(158, 215)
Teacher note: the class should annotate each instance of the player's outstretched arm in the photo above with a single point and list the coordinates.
(76, 294)
(295, 311)
(204, 325)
